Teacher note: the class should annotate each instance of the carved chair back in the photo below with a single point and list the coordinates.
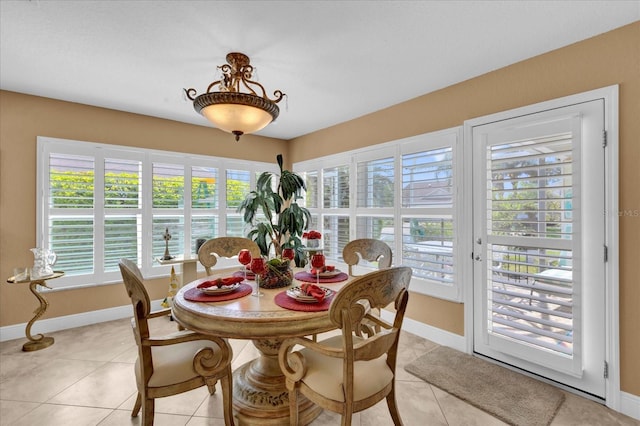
(379, 289)
(224, 247)
(368, 249)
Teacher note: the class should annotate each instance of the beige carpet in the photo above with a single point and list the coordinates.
(512, 397)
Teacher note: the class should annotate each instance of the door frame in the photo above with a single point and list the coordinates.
(609, 95)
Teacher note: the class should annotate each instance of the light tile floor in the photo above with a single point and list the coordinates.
(86, 378)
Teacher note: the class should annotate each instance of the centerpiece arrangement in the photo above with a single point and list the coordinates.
(312, 239)
(277, 223)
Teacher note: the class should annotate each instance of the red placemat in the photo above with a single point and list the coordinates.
(250, 275)
(287, 302)
(310, 278)
(195, 295)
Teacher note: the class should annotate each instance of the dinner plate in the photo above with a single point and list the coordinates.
(299, 295)
(327, 274)
(216, 291)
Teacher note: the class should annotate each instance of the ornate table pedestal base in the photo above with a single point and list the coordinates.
(260, 396)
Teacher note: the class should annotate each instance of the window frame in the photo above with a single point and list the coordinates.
(451, 137)
(99, 152)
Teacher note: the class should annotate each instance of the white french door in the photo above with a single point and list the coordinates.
(539, 242)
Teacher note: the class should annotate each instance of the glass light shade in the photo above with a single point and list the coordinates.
(235, 117)
(229, 108)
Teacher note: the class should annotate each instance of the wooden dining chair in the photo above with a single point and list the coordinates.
(368, 249)
(224, 247)
(175, 363)
(348, 373)
(371, 250)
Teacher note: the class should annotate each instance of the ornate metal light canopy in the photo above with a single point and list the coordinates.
(231, 109)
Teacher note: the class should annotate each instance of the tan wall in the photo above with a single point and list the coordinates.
(612, 58)
(22, 119)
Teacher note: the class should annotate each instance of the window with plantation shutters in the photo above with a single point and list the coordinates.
(122, 184)
(375, 183)
(335, 219)
(122, 211)
(530, 221)
(168, 186)
(375, 197)
(335, 187)
(238, 186)
(204, 187)
(310, 199)
(168, 207)
(427, 213)
(70, 202)
(101, 203)
(335, 235)
(427, 178)
(205, 193)
(404, 193)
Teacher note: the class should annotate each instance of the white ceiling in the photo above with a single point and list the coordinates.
(336, 60)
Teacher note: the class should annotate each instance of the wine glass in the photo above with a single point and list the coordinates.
(288, 253)
(244, 257)
(317, 261)
(258, 267)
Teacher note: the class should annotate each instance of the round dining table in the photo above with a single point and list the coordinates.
(259, 393)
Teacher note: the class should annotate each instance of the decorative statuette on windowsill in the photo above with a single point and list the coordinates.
(167, 237)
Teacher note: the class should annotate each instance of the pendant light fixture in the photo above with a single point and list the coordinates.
(240, 105)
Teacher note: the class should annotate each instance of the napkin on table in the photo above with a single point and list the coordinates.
(219, 282)
(313, 290)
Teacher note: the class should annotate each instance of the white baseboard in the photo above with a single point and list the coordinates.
(44, 326)
(630, 405)
(428, 332)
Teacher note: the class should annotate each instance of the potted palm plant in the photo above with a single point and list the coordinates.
(283, 221)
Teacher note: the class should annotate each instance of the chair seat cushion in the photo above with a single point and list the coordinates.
(324, 374)
(174, 363)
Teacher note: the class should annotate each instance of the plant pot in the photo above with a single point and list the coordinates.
(276, 276)
(313, 243)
